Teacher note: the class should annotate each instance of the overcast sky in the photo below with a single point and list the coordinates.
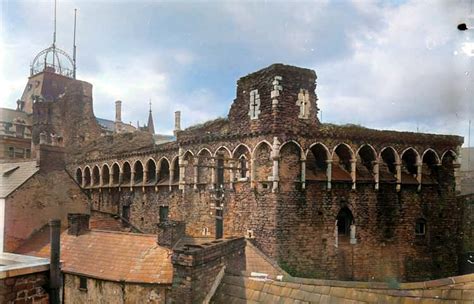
(398, 65)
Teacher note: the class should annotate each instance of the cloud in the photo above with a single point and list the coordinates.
(391, 65)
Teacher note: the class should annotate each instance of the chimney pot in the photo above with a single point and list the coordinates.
(118, 111)
(177, 122)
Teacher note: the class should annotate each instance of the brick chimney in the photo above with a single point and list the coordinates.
(170, 232)
(50, 158)
(78, 223)
(177, 122)
(118, 111)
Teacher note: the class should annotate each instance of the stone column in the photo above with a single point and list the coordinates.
(145, 177)
(231, 174)
(100, 179)
(170, 181)
(181, 169)
(353, 172)
(329, 172)
(419, 170)
(195, 176)
(376, 174)
(213, 173)
(303, 171)
(132, 179)
(398, 167)
(275, 158)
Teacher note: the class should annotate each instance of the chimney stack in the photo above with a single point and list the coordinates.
(54, 268)
(118, 111)
(78, 223)
(177, 122)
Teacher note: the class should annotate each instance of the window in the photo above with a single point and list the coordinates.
(11, 152)
(420, 227)
(243, 166)
(344, 221)
(164, 210)
(28, 153)
(83, 283)
(19, 153)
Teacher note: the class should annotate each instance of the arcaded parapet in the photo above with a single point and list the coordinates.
(327, 201)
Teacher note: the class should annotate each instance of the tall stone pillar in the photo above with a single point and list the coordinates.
(353, 172)
(275, 158)
(398, 167)
(329, 172)
(170, 182)
(376, 174)
(419, 170)
(181, 163)
(232, 174)
(213, 173)
(195, 176)
(303, 171)
(253, 173)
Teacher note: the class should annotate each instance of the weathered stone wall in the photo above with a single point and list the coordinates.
(99, 291)
(30, 288)
(195, 267)
(467, 252)
(44, 196)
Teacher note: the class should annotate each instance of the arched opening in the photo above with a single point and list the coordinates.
(429, 173)
(388, 167)
(290, 166)
(204, 170)
(176, 172)
(151, 172)
(163, 177)
(366, 157)
(420, 227)
(138, 173)
(447, 175)
(105, 175)
(126, 174)
(344, 222)
(95, 176)
(79, 176)
(242, 154)
(188, 168)
(87, 177)
(222, 156)
(317, 163)
(409, 168)
(115, 174)
(263, 163)
(341, 163)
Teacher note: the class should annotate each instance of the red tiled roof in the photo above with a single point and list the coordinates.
(114, 256)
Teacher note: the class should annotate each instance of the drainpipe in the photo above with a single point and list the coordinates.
(55, 267)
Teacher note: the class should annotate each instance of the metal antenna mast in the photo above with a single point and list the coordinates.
(74, 47)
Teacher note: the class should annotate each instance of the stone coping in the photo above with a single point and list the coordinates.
(12, 265)
(375, 285)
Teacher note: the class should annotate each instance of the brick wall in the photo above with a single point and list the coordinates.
(195, 268)
(31, 288)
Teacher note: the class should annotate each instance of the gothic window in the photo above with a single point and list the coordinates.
(304, 104)
(344, 221)
(243, 166)
(420, 227)
(254, 104)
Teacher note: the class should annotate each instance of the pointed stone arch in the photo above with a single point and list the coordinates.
(430, 165)
(87, 176)
(105, 175)
(150, 170)
(79, 178)
(204, 163)
(317, 162)
(243, 155)
(175, 170)
(126, 173)
(290, 160)
(262, 162)
(389, 162)
(343, 163)
(366, 165)
(96, 175)
(115, 174)
(163, 175)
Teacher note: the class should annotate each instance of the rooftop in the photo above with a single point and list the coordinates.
(13, 175)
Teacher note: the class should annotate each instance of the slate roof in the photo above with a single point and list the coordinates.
(107, 124)
(110, 255)
(13, 175)
(8, 115)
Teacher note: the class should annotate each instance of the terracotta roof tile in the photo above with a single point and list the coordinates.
(114, 256)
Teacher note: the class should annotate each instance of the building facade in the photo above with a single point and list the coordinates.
(324, 201)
